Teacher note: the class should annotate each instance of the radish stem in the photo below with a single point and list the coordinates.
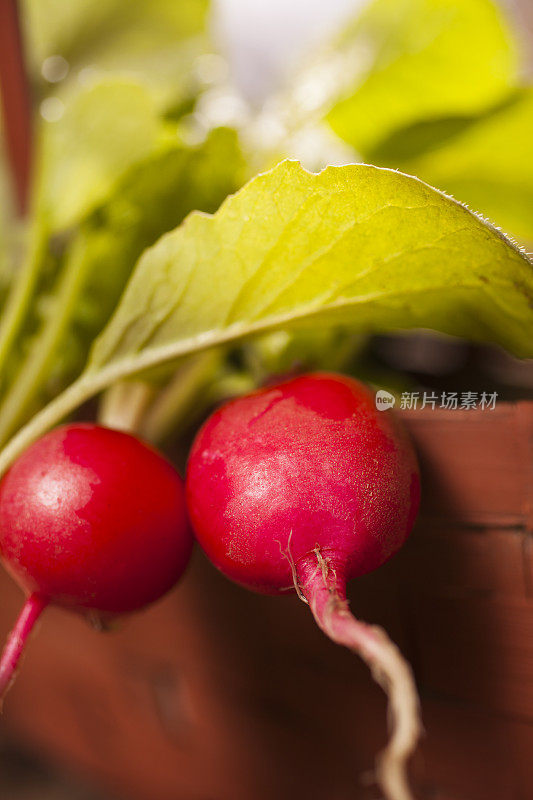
(37, 363)
(124, 405)
(184, 392)
(22, 291)
(17, 640)
(324, 590)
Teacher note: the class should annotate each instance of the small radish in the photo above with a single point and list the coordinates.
(305, 485)
(93, 520)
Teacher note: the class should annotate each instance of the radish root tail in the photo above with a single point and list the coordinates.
(325, 595)
(17, 640)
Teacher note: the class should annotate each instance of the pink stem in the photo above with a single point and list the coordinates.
(324, 590)
(16, 100)
(17, 639)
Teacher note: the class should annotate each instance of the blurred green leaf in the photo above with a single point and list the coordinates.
(104, 130)
(406, 61)
(486, 162)
(152, 197)
(283, 352)
(153, 40)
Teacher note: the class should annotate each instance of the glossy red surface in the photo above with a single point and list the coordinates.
(307, 463)
(95, 519)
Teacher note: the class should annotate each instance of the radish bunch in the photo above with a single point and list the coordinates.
(300, 486)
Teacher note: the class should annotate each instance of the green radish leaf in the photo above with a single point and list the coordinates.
(357, 245)
(104, 131)
(485, 162)
(405, 61)
(152, 197)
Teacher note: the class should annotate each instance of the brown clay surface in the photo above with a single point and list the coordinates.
(218, 694)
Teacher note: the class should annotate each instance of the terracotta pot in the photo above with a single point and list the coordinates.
(218, 694)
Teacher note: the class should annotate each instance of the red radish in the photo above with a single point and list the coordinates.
(305, 485)
(91, 519)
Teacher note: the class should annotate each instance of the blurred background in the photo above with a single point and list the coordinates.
(437, 89)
